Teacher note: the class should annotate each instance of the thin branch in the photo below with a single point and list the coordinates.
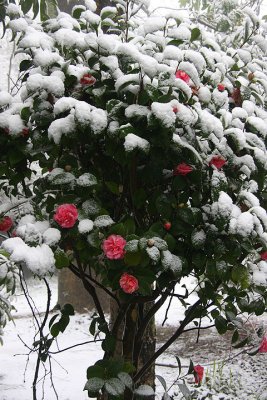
(88, 286)
(37, 367)
(76, 345)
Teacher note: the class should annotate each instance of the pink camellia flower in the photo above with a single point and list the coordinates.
(182, 169)
(221, 87)
(217, 161)
(264, 255)
(198, 373)
(182, 75)
(5, 224)
(263, 345)
(128, 283)
(113, 247)
(175, 109)
(87, 80)
(66, 215)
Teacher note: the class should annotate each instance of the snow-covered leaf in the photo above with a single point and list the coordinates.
(94, 384)
(144, 390)
(115, 387)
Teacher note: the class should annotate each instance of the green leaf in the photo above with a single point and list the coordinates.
(43, 10)
(162, 381)
(25, 65)
(113, 187)
(129, 226)
(185, 391)
(77, 12)
(62, 260)
(241, 344)
(235, 336)
(195, 34)
(107, 13)
(25, 113)
(221, 324)
(95, 371)
(26, 5)
(109, 343)
(52, 320)
(67, 309)
(175, 42)
(133, 258)
(63, 322)
(190, 368)
(179, 365)
(235, 67)
(55, 329)
(257, 306)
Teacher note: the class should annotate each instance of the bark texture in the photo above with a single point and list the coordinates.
(71, 290)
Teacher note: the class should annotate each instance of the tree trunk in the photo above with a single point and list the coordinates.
(71, 290)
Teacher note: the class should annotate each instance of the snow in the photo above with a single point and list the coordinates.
(40, 259)
(164, 112)
(153, 24)
(210, 124)
(90, 5)
(204, 94)
(258, 124)
(133, 141)
(85, 226)
(102, 221)
(90, 17)
(51, 236)
(91, 207)
(243, 225)
(61, 127)
(180, 33)
(52, 84)
(33, 38)
(86, 179)
(172, 53)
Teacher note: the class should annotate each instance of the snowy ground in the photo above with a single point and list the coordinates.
(239, 378)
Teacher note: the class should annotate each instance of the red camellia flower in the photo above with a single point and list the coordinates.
(217, 161)
(128, 283)
(182, 75)
(182, 169)
(263, 345)
(221, 87)
(88, 80)
(5, 224)
(175, 110)
(113, 247)
(198, 372)
(264, 255)
(167, 225)
(25, 131)
(66, 215)
(236, 96)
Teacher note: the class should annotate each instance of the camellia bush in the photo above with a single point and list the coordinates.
(151, 142)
